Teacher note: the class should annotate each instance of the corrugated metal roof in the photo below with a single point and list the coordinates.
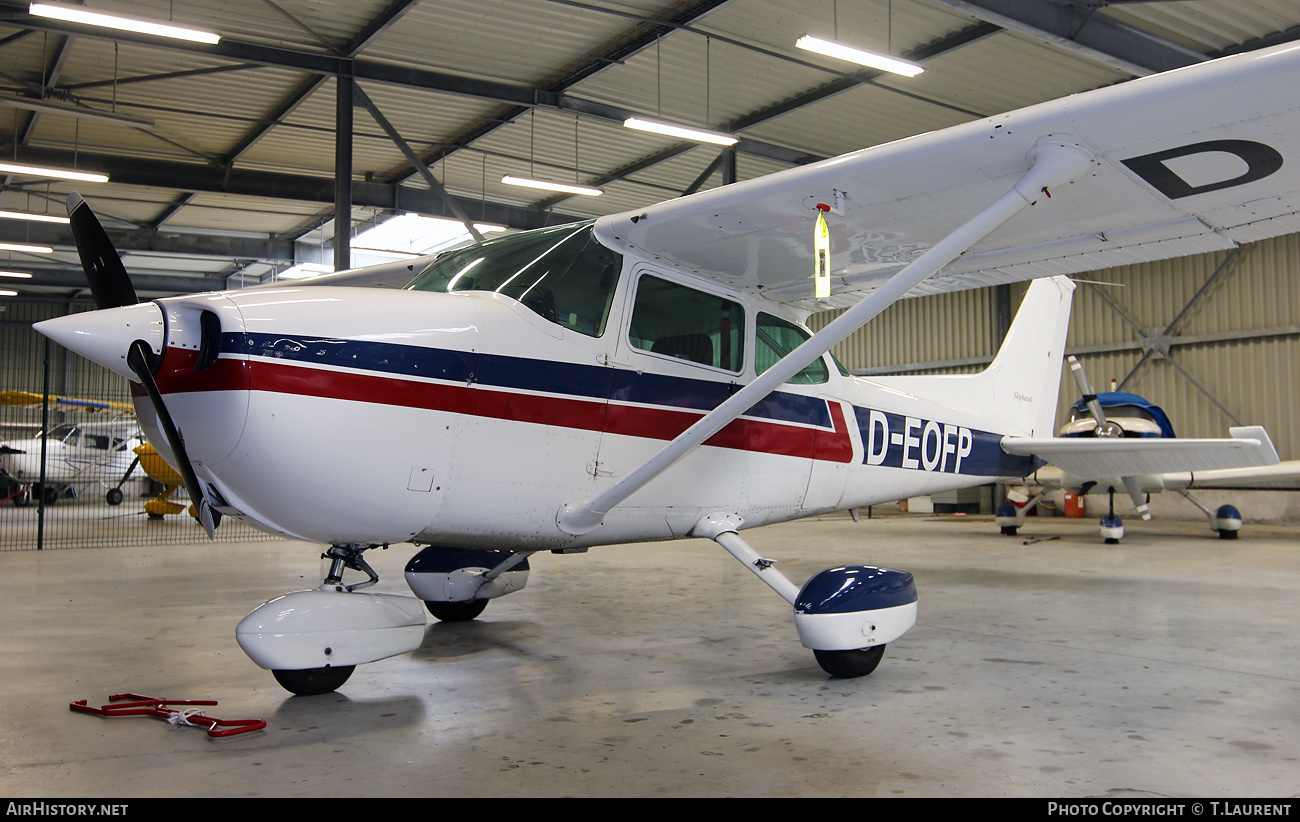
(264, 102)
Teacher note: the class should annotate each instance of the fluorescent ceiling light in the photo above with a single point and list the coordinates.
(414, 235)
(80, 14)
(34, 249)
(51, 107)
(510, 179)
(36, 218)
(864, 58)
(304, 271)
(385, 252)
(699, 135)
(61, 173)
(17, 275)
(4, 293)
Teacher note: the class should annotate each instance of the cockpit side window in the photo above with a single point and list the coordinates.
(678, 321)
(773, 339)
(561, 273)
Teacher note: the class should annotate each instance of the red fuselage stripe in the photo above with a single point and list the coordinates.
(177, 375)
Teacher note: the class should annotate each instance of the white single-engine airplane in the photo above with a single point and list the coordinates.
(1120, 414)
(646, 376)
(74, 453)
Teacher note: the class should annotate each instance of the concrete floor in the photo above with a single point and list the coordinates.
(1168, 666)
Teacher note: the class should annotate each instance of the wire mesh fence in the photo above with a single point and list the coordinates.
(75, 469)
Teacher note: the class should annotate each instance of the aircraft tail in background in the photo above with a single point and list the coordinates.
(1019, 388)
(1025, 377)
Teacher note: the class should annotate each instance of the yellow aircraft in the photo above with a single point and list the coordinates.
(159, 471)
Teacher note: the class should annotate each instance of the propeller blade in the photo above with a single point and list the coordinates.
(109, 282)
(1104, 427)
(137, 358)
(111, 285)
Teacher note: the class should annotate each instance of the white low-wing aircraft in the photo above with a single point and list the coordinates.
(646, 376)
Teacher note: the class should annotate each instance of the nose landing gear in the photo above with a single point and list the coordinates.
(311, 641)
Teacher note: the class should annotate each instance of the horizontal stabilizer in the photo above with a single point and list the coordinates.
(1283, 473)
(1101, 457)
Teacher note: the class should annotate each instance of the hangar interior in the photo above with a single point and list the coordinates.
(308, 124)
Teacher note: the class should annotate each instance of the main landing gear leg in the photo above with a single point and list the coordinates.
(1112, 527)
(1010, 517)
(1224, 520)
(311, 641)
(846, 615)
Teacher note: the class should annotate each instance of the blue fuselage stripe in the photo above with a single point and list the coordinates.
(889, 439)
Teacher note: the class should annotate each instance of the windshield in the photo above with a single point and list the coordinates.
(561, 273)
(63, 432)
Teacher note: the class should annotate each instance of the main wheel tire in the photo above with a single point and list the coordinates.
(114, 496)
(850, 664)
(313, 681)
(456, 611)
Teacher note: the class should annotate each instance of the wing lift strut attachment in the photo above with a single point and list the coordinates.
(862, 608)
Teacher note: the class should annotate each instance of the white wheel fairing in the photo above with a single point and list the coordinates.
(313, 629)
(858, 629)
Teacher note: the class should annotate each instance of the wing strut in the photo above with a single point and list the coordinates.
(1053, 164)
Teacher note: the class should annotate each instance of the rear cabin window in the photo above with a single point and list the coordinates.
(562, 273)
(678, 321)
(773, 339)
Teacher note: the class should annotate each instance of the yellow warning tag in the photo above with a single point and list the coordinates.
(821, 257)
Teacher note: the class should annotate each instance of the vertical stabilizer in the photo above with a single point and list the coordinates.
(1025, 377)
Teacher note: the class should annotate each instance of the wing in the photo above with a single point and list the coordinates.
(1189, 161)
(30, 398)
(1101, 458)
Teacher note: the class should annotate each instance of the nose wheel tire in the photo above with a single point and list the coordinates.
(313, 681)
(456, 611)
(850, 664)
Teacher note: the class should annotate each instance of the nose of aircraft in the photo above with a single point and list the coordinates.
(105, 336)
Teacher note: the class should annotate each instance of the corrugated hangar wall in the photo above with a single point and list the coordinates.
(1213, 339)
(78, 516)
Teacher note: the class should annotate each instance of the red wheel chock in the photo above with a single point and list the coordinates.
(155, 707)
